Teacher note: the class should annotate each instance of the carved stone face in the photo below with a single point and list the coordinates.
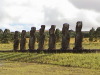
(66, 26)
(16, 32)
(23, 32)
(79, 26)
(42, 26)
(16, 35)
(33, 29)
(52, 29)
(42, 29)
(53, 26)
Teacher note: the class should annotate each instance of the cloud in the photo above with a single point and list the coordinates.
(24, 14)
(87, 4)
(58, 17)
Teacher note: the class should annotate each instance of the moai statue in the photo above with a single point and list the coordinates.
(16, 41)
(23, 40)
(78, 36)
(52, 38)
(41, 38)
(32, 38)
(65, 37)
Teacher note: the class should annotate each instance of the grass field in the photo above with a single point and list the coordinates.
(17, 63)
(49, 64)
(21, 68)
(90, 60)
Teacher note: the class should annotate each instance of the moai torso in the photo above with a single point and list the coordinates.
(52, 38)
(65, 36)
(23, 40)
(79, 36)
(41, 38)
(32, 38)
(16, 41)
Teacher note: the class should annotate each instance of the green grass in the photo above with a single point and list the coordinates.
(16, 63)
(22, 68)
(89, 60)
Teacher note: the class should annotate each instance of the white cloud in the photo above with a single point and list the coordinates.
(87, 4)
(23, 14)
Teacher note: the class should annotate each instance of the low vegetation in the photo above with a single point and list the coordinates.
(17, 63)
(22, 68)
(90, 60)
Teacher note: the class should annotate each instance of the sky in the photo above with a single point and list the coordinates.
(24, 14)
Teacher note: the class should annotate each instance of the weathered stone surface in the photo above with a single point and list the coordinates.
(78, 37)
(41, 38)
(65, 37)
(32, 38)
(23, 40)
(52, 38)
(16, 41)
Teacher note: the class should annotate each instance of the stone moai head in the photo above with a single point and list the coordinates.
(33, 28)
(16, 35)
(52, 29)
(42, 26)
(53, 26)
(42, 29)
(23, 33)
(65, 28)
(79, 26)
(32, 31)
